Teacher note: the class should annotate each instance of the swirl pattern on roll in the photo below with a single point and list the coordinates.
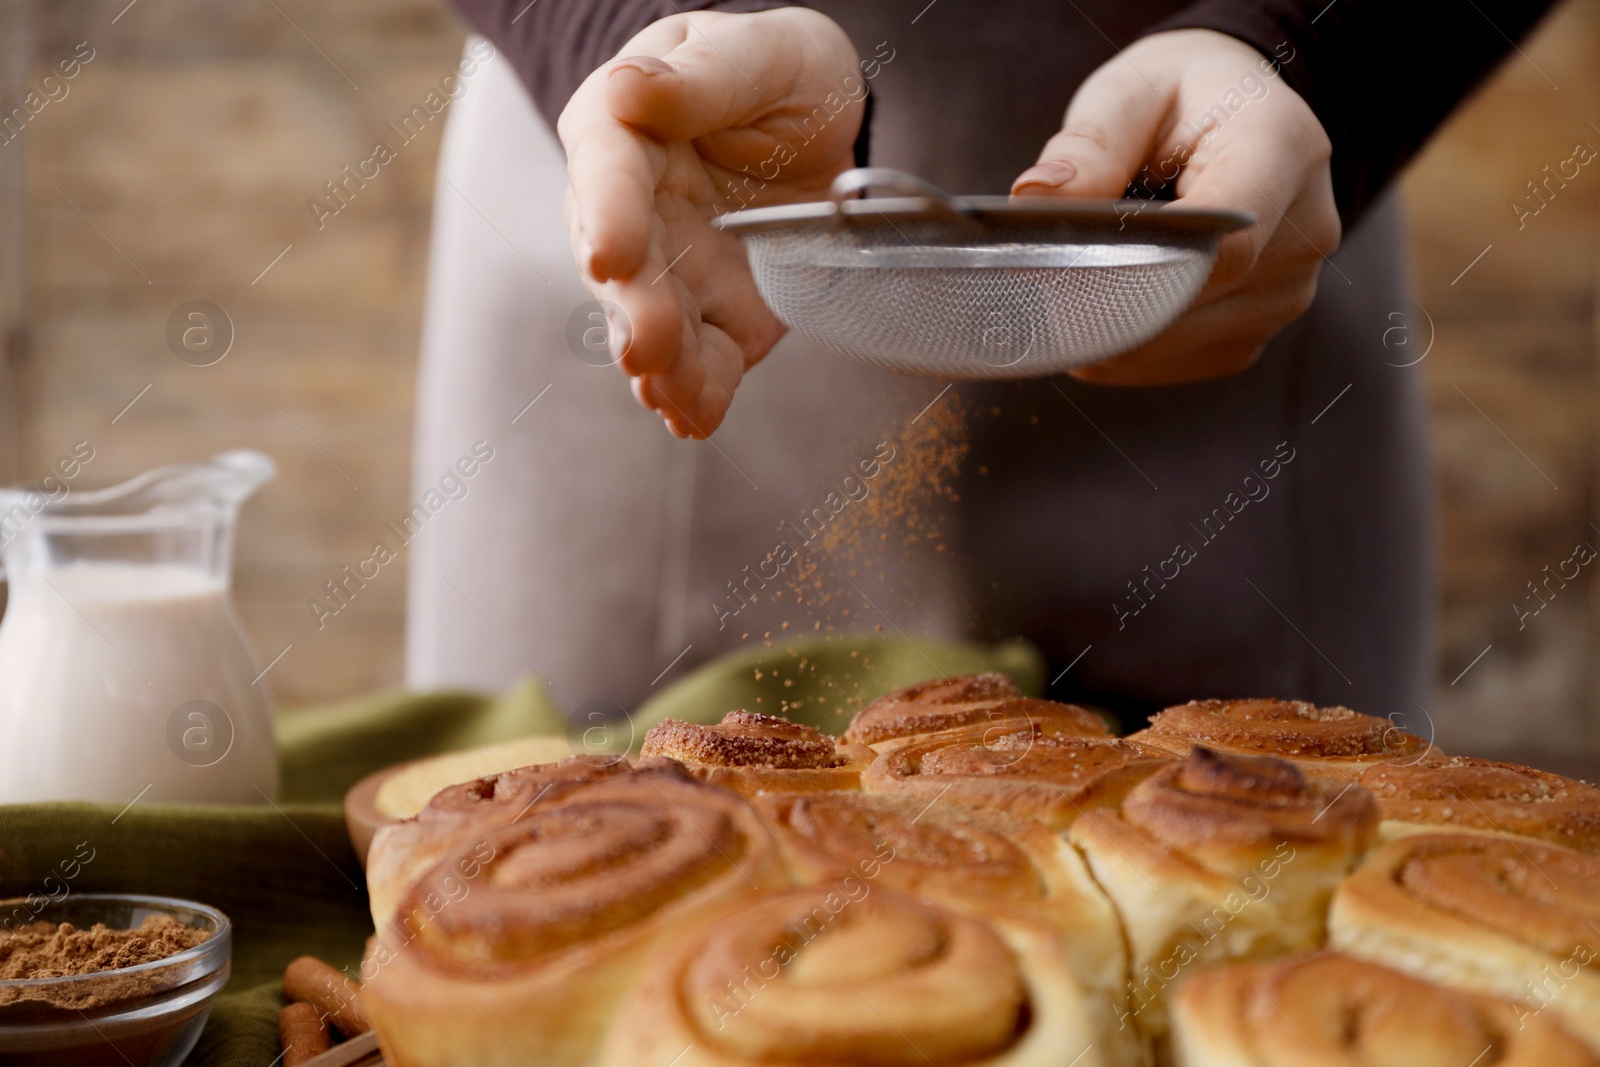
(1210, 803)
(1330, 1010)
(955, 690)
(1022, 768)
(569, 872)
(1218, 857)
(458, 817)
(951, 703)
(959, 852)
(984, 861)
(851, 972)
(517, 787)
(1328, 740)
(1517, 918)
(1449, 792)
(517, 945)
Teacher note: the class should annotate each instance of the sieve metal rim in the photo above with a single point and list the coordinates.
(1068, 221)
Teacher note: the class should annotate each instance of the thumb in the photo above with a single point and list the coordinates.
(725, 73)
(1112, 125)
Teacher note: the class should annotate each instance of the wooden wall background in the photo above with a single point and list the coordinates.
(178, 168)
(1513, 378)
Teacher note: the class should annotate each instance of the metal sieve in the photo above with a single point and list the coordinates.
(977, 286)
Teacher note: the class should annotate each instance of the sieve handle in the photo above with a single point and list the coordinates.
(857, 182)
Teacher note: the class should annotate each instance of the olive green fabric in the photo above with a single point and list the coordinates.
(327, 750)
(285, 873)
(822, 681)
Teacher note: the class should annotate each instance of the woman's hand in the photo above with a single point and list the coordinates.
(1210, 110)
(700, 113)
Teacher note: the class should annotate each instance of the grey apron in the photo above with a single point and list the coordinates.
(1267, 534)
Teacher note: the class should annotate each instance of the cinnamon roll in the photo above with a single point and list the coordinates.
(1018, 767)
(982, 861)
(1333, 742)
(1329, 1010)
(855, 973)
(464, 814)
(752, 753)
(516, 947)
(401, 853)
(955, 690)
(1450, 793)
(1219, 857)
(949, 703)
(1518, 919)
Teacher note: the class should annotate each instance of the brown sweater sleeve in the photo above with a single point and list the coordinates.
(555, 44)
(1381, 75)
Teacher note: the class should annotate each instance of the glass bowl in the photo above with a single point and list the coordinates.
(149, 1015)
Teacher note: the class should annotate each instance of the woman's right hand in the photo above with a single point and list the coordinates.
(699, 114)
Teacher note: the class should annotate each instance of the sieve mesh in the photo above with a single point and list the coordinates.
(976, 287)
(923, 311)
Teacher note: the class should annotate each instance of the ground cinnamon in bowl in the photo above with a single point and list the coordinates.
(98, 979)
(60, 950)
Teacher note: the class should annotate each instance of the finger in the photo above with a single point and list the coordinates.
(726, 330)
(693, 92)
(1112, 125)
(644, 391)
(724, 72)
(696, 394)
(691, 328)
(1243, 167)
(664, 389)
(1220, 338)
(1193, 365)
(612, 173)
(612, 169)
(690, 272)
(650, 338)
(726, 296)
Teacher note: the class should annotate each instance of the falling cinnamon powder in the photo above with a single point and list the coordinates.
(903, 507)
(905, 501)
(904, 510)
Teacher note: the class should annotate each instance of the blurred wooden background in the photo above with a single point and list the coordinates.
(1513, 378)
(179, 164)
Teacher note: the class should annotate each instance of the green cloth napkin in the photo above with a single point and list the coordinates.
(823, 681)
(325, 751)
(286, 874)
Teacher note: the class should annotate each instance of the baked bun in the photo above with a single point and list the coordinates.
(984, 862)
(752, 753)
(1516, 919)
(387, 796)
(953, 691)
(1334, 742)
(950, 703)
(974, 878)
(1329, 1010)
(855, 973)
(401, 853)
(1221, 857)
(1022, 768)
(1459, 793)
(516, 946)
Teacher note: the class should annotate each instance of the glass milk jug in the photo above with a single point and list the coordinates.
(124, 672)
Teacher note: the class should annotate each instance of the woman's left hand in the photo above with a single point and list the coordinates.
(1213, 112)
